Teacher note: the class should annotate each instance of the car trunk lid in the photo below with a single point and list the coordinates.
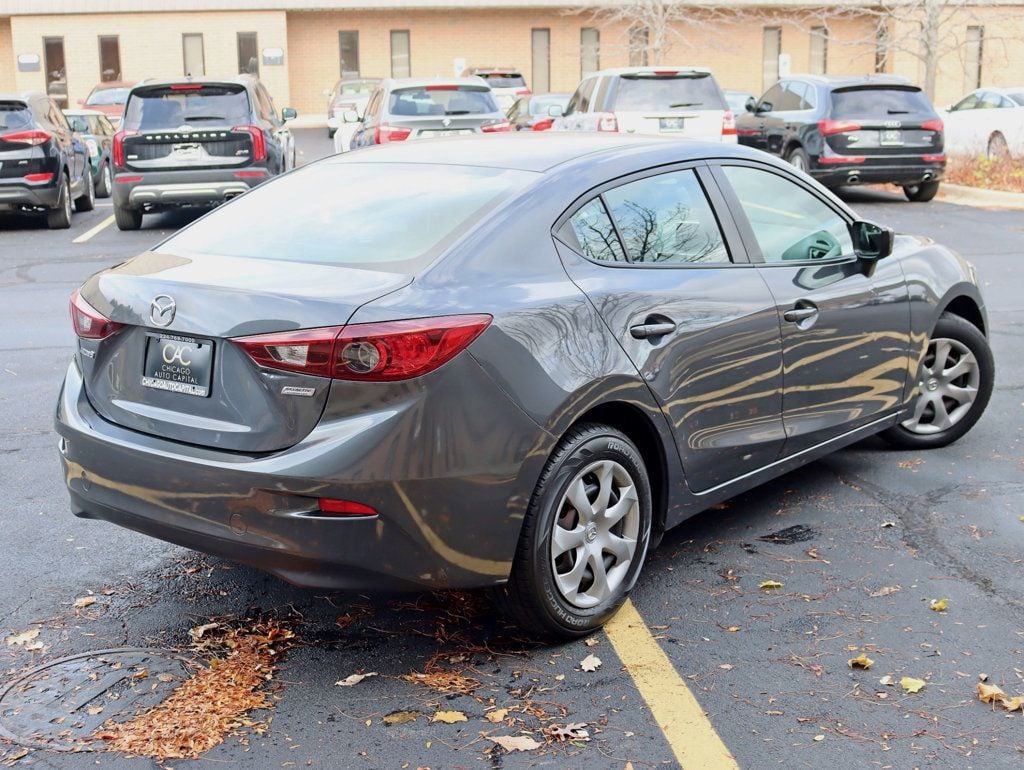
(442, 109)
(670, 101)
(882, 120)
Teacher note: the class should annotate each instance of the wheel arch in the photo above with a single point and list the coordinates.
(965, 307)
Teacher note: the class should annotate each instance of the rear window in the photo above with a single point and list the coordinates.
(869, 102)
(441, 100)
(357, 87)
(504, 79)
(173, 106)
(108, 96)
(382, 216)
(14, 116)
(667, 93)
(539, 105)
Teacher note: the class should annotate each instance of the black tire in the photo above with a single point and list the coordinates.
(922, 192)
(127, 219)
(531, 598)
(331, 132)
(799, 159)
(87, 200)
(105, 185)
(59, 218)
(953, 328)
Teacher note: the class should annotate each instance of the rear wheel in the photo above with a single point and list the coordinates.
(921, 192)
(87, 200)
(954, 383)
(585, 536)
(331, 132)
(106, 183)
(997, 147)
(798, 159)
(127, 219)
(59, 218)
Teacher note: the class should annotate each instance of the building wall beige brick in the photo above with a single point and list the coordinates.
(7, 60)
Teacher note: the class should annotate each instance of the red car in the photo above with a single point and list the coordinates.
(109, 98)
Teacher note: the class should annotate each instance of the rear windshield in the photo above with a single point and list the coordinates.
(14, 116)
(504, 79)
(108, 96)
(665, 94)
(441, 100)
(382, 216)
(869, 102)
(356, 86)
(539, 104)
(173, 106)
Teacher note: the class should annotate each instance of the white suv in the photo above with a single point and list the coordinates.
(666, 101)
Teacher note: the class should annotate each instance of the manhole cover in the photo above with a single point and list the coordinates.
(58, 706)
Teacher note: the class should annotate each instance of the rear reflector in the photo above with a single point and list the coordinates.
(345, 507)
(38, 177)
(89, 323)
(837, 159)
(828, 127)
(249, 174)
(933, 158)
(32, 138)
(128, 179)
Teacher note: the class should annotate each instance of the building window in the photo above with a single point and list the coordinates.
(590, 51)
(248, 54)
(770, 51)
(819, 50)
(348, 53)
(638, 40)
(881, 47)
(110, 58)
(192, 54)
(973, 54)
(400, 59)
(56, 73)
(541, 47)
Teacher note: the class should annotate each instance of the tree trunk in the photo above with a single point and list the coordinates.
(930, 43)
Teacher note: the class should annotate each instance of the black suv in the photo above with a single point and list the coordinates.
(43, 165)
(846, 130)
(196, 141)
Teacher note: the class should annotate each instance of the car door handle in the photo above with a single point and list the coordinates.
(800, 313)
(654, 329)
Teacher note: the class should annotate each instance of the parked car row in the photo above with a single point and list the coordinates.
(988, 121)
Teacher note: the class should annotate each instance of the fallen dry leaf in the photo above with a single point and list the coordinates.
(861, 661)
(990, 693)
(353, 679)
(516, 742)
(197, 633)
(22, 639)
(590, 663)
(19, 754)
(574, 731)
(939, 605)
(888, 524)
(496, 716)
(884, 591)
(886, 680)
(1012, 704)
(912, 685)
(819, 738)
(726, 667)
(449, 717)
(94, 710)
(732, 629)
(84, 601)
(591, 641)
(401, 717)
(768, 585)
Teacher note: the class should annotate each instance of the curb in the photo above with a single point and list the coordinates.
(975, 196)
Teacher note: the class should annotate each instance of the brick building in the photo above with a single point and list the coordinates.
(300, 47)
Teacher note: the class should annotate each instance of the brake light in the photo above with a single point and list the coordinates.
(497, 127)
(728, 124)
(524, 92)
(344, 507)
(608, 122)
(666, 73)
(32, 138)
(259, 143)
(828, 127)
(89, 323)
(117, 151)
(385, 133)
(186, 86)
(41, 177)
(373, 352)
(443, 87)
(935, 124)
(543, 124)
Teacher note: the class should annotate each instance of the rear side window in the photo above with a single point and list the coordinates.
(173, 106)
(666, 219)
(14, 116)
(874, 101)
(595, 233)
(107, 96)
(441, 100)
(667, 93)
(385, 216)
(504, 80)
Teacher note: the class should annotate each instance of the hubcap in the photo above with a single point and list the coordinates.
(67, 200)
(594, 537)
(947, 384)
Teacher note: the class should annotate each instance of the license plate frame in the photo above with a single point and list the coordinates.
(431, 133)
(186, 151)
(671, 125)
(891, 137)
(178, 364)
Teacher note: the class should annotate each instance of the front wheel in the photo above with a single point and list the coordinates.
(585, 536)
(954, 386)
(922, 192)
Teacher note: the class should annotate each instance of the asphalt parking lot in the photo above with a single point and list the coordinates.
(862, 543)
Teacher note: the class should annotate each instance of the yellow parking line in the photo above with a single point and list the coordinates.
(685, 725)
(90, 233)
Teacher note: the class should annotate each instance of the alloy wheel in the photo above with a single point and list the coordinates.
(594, 538)
(796, 160)
(948, 384)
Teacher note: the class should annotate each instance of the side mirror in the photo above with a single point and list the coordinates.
(763, 107)
(555, 111)
(289, 113)
(870, 241)
(350, 116)
(751, 104)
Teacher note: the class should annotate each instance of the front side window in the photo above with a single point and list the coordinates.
(666, 219)
(789, 223)
(595, 233)
(772, 98)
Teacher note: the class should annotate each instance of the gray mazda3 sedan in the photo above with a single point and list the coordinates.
(505, 361)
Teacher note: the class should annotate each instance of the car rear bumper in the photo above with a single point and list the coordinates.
(438, 526)
(168, 189)
(18, 197)
(878, 171)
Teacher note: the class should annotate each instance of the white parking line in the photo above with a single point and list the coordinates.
(98, 228)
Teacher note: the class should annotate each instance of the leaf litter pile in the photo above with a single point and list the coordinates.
(215, 702)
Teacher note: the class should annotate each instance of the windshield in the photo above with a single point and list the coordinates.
(173, 106)
(504, 79)
(539, 104)
(108, 96)
(14, 116)
(385, 216)
(868, 102)
(666, 94)
(441, 100)
(1017, 96)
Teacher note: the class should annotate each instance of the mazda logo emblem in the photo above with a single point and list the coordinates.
(161, 310)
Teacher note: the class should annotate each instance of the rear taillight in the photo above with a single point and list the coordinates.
(543, 124)
(117, 151)
(524, 92)
(935, 124)
(385, 133)
(32, 138)
(89, 323)
(828, 127)
(496, 127)
(728, 124)
(608, 122)
(375, 352)
(335, 507)
(259, 142)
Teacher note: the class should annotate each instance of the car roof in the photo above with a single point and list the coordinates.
(541, 152)
(659, 68)
(479, 70)
(842, 81)
(241, 80)
(392, 83)
(110, 84)
(21, 96)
